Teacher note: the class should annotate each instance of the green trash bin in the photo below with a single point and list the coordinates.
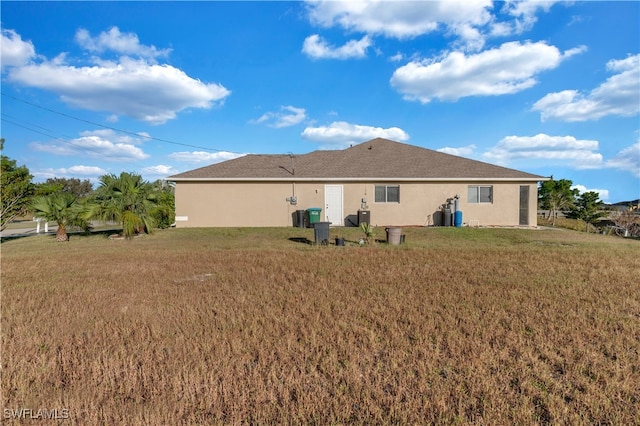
(313, 216)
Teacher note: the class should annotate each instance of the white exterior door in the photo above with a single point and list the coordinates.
(333, 205)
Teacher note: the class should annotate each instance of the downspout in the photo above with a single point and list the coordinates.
(293, 173)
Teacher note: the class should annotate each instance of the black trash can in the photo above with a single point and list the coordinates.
(298, 219)
(321, 233)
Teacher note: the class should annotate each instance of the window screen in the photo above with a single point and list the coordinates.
(387, 193)
(480, 194)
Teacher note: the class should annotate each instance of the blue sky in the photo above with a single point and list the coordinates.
(158, 88)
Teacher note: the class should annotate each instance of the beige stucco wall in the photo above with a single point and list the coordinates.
(227, 204)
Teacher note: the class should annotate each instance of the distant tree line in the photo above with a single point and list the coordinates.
(559, 196)
(75, 186)
(137, 205)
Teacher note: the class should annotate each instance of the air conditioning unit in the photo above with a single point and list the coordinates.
(364, 216)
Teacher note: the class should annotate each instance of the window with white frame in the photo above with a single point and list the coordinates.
(387, 193)
(479, 194)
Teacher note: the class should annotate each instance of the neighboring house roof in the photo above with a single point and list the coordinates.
(377, 159)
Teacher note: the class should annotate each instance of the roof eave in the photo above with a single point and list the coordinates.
(364, 179)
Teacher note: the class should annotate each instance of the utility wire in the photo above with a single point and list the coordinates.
(4, 114)
(114, 128)
(32, 129)
(57, 138)
(46, 134)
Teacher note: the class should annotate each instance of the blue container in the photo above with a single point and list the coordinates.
(457, 219)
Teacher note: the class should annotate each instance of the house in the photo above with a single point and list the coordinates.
(394, 184)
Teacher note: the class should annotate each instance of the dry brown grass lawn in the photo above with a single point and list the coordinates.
(235, 326)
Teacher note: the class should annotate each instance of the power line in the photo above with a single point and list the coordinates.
(45, 134)
(32, 124)
(57, 138)
(127, 132)
(32, 129)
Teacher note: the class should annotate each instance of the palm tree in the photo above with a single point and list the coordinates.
(129, 200)
(64, 209)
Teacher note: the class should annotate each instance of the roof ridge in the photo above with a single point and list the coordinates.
(375, 159)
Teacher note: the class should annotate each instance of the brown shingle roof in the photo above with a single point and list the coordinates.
(374, 159)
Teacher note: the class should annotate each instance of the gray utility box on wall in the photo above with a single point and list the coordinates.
(364, 216)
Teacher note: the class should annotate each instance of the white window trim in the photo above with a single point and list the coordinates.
(478, 194)
(386, 194)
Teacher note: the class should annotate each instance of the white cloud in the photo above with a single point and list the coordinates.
(317, 48)
(402, 19)
(136, 88)
(151, 93)
(113, 118)
(397, 57)
(102, 144)
(14, 51)
(463, 151)
(159, 170)
(602, 193)
(471, 38)
(286, 117)
(204, 157)
(524, 13)
(343, 133)
(114, 40)
(508, 69)
(545, 150)
(81, 172)
(85, 170)
(116, 137)
(578, 19)
(562, 150)
(469, 21)
(627, 159)
(618, 95)
(500, 29)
